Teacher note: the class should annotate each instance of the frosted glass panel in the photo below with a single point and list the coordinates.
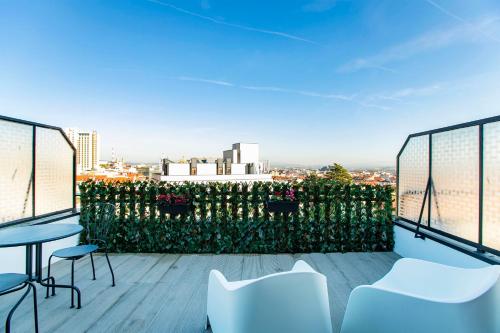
(54, 172)
(413, 175)
(455, 174)
(16, 142)
(491, 185)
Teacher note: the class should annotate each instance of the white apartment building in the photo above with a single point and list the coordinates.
(239, 164)
(88, 150)
(245, 153)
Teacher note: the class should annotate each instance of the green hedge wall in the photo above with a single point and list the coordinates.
(232, 218)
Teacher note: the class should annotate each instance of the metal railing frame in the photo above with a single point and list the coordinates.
(480, 124)
(33, 183)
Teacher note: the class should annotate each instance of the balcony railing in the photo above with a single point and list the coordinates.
(37, 171)
(460, 168)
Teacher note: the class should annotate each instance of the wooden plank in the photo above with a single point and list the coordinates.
(58, 271)
(393, 255)
(167, 293)
(351, 273)
(339, 287)
(159, 270)
(123, 305)
(375, 268)
(167, 319)
(137, 272)
(285, 262)
(158, 297)
(269, 264)
(390, 257)
(101, 297)
(252, 268)
(234, 267)
(382, 262)
(275, 263)
(192, 318)
(137, 292)
(56, 308)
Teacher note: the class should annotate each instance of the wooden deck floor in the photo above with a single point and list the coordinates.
(167, 293)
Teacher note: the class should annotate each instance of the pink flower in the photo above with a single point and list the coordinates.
(172, 199)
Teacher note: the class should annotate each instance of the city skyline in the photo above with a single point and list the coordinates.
(312, 81)
(184, 158)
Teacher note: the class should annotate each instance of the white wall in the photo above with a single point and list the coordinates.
(410, 247)
(13, 259)
(206, 169)
(238, 169)
(178, 169)
(249, 153)
(216, 178)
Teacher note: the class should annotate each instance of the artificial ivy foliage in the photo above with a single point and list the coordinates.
(232, 217)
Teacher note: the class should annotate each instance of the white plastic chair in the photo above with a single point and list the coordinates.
(421, 296)
(295, 301)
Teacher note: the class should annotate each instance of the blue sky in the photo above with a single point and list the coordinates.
(311, 81)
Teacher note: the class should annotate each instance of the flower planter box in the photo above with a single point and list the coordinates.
(281, 206)
(174, 209)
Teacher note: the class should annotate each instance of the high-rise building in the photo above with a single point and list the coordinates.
(87, 144)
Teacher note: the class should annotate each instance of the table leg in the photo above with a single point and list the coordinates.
(29, 262)
(38, 262)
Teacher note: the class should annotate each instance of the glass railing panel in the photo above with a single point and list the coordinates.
(455, 174)
(413, 176)
(54, 172)
(16, 164)
(491, 185)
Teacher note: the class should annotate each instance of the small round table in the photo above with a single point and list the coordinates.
(37, 235)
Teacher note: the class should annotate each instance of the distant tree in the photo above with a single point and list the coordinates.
(338, 173)
(313, 176)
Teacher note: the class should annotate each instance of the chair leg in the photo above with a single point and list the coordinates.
(72, 283)
(75, 289)
(207, 324)
(79, 298)
(9, 317)
(111, 269)
(93, 267)
(53, 286)
(35, 306)
(49, 279)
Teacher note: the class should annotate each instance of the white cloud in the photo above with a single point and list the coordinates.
(401, 94)
(464, 33)
(348, 98)
(233, 25)
(445, 11)
(461, 19)
(300, 92)
(373, 106)
(195, 79)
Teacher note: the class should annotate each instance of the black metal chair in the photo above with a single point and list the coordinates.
(11, 282)
(97, 222)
